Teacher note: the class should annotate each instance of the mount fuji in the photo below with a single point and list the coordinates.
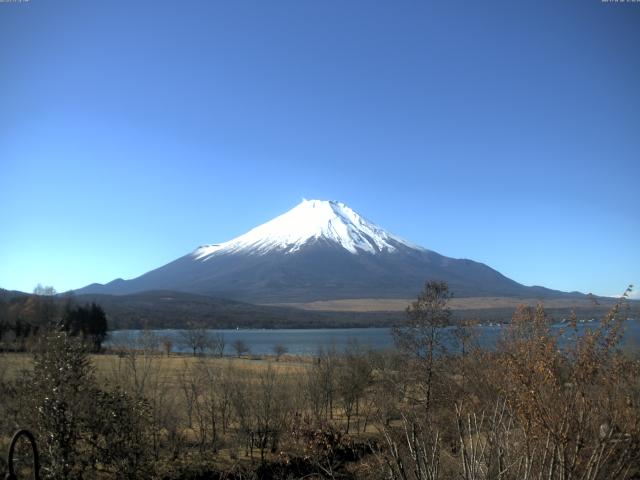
(319, 250)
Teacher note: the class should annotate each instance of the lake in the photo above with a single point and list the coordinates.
(310, 341)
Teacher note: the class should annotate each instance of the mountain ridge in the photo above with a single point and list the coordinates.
(319, 250)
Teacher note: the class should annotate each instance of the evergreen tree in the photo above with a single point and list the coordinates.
(63, 386)
(89, 322)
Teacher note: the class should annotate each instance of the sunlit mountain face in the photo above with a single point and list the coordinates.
(319, 250)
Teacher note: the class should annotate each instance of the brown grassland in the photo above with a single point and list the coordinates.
(463, 303)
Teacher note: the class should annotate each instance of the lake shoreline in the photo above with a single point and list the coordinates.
(298, 341)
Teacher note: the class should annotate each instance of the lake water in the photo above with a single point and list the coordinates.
(310, 341)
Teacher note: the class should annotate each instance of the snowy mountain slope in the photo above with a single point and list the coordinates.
(309, 221)
(319, 250)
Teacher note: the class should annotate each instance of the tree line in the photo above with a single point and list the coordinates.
(23, 319)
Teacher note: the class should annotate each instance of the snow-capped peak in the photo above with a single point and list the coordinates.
(310, 220)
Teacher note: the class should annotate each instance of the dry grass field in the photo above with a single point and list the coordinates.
(184, 416)
(468, 303)
(180, 388)
(171, 367)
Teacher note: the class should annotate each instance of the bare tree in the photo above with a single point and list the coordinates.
(241, 348)
(262, 409)
(218, 344)
(135, 363)
(420, 336)
(167, 345)
(197, 339)
(42, 307)
(354, 374)
(390, 386)
(320, 384)
(279, 350)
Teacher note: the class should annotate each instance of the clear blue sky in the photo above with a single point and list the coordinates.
(503, 131)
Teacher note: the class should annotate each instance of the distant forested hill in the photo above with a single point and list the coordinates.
(167, 309)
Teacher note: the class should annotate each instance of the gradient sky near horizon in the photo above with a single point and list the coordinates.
(506, 132)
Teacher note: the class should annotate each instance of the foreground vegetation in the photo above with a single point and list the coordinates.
(528, 410)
